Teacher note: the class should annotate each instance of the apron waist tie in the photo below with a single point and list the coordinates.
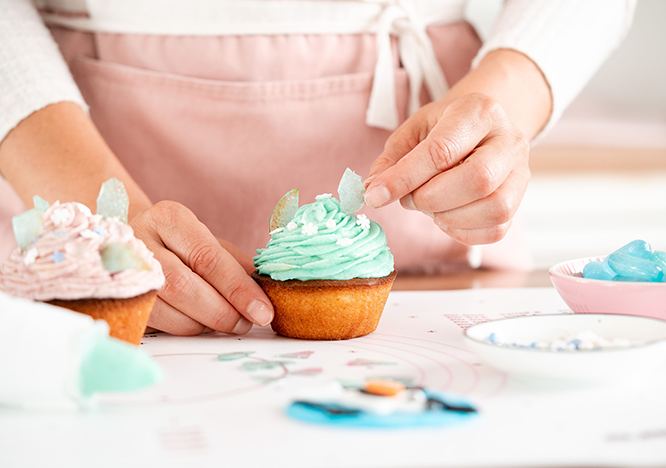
(417, 57)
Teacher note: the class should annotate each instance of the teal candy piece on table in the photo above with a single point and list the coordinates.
(121, 257)
(27, 227)
(112, 365)
(41, 205)
(351, 191)
(113, 201)
(599, 271)
(628, 266)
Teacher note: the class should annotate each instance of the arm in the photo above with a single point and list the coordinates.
(50, 147)
(522, 81)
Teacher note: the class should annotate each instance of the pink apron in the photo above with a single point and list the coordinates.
(226, 124)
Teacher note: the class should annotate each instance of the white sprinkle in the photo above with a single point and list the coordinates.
(291, 226)
(83, 209)
(363, 221)
(30, 256)
(275, 231)
(345, 242)
(59, 216)
(309, 229)
(88, 234)
(323, 196)
(330, 224)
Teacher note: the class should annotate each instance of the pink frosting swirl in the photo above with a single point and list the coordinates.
(64, 262)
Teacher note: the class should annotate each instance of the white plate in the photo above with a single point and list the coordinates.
(572, 367)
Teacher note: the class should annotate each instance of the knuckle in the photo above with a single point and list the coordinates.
(177, 283)
(496, 233)
(426, 200)
(502, 210)
(442, 153)
(233, 288)
(482, 180)
(203, 259)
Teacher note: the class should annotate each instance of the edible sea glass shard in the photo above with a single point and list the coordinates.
(637, 248)
(351, 192)
(628, 266)
(41, 205)
(121, 257)
(599, 271)
(112, 201)
(112, 365)
(27, 227)
(297, 355)
(284, 211)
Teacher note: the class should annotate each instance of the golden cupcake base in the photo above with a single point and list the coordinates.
(127, 318)
(326, 309)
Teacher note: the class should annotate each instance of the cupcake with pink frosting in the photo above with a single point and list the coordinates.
(89, 263)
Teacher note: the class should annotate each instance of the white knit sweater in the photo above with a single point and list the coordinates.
(567, 39)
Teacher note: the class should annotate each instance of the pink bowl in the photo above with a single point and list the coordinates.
(588, 296)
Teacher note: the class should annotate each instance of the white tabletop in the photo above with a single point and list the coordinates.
(216, 413)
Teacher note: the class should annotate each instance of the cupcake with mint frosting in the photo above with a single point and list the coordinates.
(327, 271)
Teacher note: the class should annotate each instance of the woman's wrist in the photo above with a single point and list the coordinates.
(513, 80)
(58, 154)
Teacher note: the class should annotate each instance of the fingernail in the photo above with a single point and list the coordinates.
(260, 313)
(377, 196)
(369, 180)
(428, 213)
(242, 327)
(408, 203)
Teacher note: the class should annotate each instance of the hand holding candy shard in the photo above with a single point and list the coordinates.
(637, 248)
(351, 192)
(27, 227)
(113, 201)
(120, 257)
(599, 271)
(635, 267)
(41, 205)
(284, 211)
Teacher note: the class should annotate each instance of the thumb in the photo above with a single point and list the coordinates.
(401, 142)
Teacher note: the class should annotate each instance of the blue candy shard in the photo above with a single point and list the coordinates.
(659, 257)
(121, 257)
(599, 271)
(27, 227)
(41, 205)
(629, 266)
(112, 201)
(637, 248)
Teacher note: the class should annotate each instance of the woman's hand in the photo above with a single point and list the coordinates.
(207, 281)
(462, 162)
(464, 159)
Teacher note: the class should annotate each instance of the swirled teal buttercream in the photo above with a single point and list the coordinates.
(323, 242)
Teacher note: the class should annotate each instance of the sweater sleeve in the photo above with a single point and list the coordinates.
(33, 73)
(567, 39)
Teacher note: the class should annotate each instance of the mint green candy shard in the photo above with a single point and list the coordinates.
(27, 227)
(351, 192)
(112, 201)
(41, 205)
(234, 356)
(121, 257)
(112, 365)
(284, 211)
